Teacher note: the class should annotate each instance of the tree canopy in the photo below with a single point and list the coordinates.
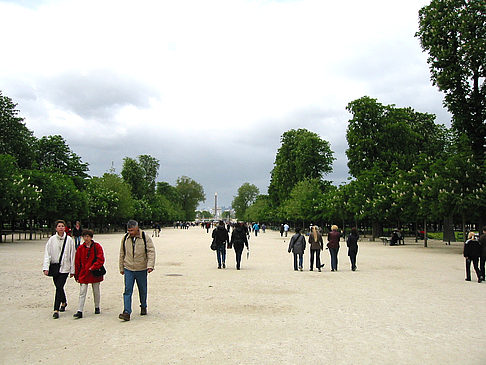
(453, 32)
(302, 155)
(247, 194)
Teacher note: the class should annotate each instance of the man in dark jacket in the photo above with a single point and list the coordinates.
(220, 237)
(482, 259)
(297, 246)
(472, 252)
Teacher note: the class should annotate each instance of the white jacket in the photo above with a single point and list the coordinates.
(53, 251)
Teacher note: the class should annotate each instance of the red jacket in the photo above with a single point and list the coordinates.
(84, 263)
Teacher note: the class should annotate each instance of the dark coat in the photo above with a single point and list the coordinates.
(220, 236)
(472, 249)
(352, 243)
(482, 242)
(239, 238)
(333, 237)
(297, 244)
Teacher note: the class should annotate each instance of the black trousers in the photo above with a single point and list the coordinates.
(318, 258)
(476, 268)
(59, 282)
(482, 260)
(238, 252)
(352, 257)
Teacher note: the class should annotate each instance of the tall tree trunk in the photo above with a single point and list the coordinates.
(449, 235)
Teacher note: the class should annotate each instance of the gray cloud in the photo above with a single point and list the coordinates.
(97, 94)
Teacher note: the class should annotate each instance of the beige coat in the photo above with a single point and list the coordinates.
(138, 261)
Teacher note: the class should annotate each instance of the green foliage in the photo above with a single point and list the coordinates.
(191, 194)
(16, 139)
(302, 155)
(304, 201)
(247, 194)
(110, 200)
(453, 32)
(60, 198)
(141, 175)
(54, 155)
(389, 138)
(261, 210)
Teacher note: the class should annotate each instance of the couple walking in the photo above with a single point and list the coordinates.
(297, 246)
(238, 241)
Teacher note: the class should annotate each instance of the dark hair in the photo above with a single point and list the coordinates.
(59, 221)
(354, 230)
(297, 230)
(87, 232)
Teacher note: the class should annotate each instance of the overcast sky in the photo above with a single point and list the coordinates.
(208, 87)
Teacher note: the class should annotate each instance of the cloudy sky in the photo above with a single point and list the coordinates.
(208, 87)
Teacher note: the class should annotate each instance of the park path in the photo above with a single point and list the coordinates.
(404, 305)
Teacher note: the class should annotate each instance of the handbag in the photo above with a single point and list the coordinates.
(213, 245)
(101, 271)
(55, 267)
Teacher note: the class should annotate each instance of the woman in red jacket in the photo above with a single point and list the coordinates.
(89, 257)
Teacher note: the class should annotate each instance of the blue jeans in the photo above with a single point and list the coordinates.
(300, 256)
(141, 278)
(221, 254)
(334, 258)
(77, 241)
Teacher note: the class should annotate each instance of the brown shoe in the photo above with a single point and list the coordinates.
(125, 316)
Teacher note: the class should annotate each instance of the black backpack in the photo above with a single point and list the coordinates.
(125, 240)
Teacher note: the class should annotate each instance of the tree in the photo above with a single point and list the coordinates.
(302, 155)
(16, 139)
(141, 175)
(453, 32)
(260, 210)
(54, 155)
(247, 194)
(389, 138)
(150, 165)
(191, 194)
(304, 201)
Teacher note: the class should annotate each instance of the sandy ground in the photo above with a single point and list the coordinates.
(404, 305)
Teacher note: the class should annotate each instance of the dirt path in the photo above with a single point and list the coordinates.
(404, 305)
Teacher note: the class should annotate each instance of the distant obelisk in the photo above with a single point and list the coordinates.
(215, 205)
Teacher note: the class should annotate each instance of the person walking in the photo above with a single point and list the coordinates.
(137, 260)
(77, 232)
(333, 238)
(352, 243)
(286, 229)
(256, 229)
(238, 241)
(472, 252)
(482, 258)
(221, 238)
(59, 263)
(281, 230)
(316, 246)
(297, 247)
(89, 258)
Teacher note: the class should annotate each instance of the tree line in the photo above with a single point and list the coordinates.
(406, 170)
(42, 179)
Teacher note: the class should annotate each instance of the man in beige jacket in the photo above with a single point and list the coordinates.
(137, 259)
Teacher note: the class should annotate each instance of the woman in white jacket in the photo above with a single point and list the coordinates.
(59, 263)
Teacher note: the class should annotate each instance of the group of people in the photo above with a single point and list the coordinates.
(221, 241)
(297, 246)
(475, 253)
(62, 259)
